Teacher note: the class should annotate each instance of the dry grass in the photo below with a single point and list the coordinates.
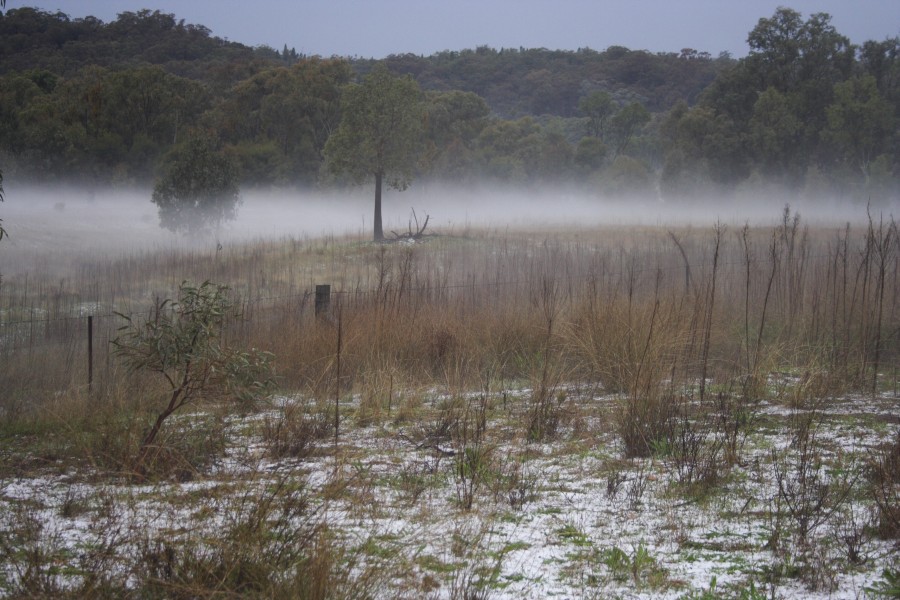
(648, 313)
(480, 347)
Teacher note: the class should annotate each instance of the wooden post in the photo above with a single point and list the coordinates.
(337, 383)
(323, 299)
(106, 346)
(90, 352)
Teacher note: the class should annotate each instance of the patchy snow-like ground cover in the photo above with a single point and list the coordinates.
(564, 518)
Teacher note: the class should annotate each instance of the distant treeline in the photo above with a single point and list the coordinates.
(808, 110)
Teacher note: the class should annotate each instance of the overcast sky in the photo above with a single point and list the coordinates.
(376, 28)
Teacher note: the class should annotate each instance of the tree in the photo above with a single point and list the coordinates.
(126, 119)
(629, 121)
(2, 231)
(280, 118)
(860, 122)
(453, 122)
(803, 60)
(881, 60)
(181, 342)
(380, 134)
(598, 107)
(455, 115)
(506, 148)
(199, 188)
(547, 156)
(775, 46)
(702, 149)
(774, 134)
(590, 154)
(625, 177)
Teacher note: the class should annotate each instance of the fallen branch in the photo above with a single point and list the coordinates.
(419, 232)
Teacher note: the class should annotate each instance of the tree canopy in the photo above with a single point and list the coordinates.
(380, 135)
(198, 189)
(105, 103)
(805, 102)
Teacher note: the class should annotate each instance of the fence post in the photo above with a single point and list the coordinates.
(337, 383)
(90, 325)
(323, 299)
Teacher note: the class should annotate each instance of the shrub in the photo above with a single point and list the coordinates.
(181, 342)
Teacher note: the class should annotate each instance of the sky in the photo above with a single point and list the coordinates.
(377, 28)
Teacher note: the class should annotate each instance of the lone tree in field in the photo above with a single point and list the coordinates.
(380, 134)
(198, 189)
(2, 231)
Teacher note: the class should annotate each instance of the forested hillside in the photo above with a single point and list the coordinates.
(807, 109)
(519, 82)
(32, 39)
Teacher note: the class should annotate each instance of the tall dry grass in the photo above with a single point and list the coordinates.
(648, 313)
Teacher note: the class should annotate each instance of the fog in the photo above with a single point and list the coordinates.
(49, 225)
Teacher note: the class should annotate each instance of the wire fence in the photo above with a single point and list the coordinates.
(352, 297)
(83, 337)
(78, 349)
(44, 330)
(83, 341)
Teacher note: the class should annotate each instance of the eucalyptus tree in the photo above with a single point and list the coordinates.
(198, 189)
(453, 123)
(599, 108)
(381, 133)
(861, 124)
(2, 231)
(628, 122)
(278, 120)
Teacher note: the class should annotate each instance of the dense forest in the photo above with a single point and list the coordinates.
(110, 103)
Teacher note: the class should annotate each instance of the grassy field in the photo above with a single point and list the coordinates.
(632, 411)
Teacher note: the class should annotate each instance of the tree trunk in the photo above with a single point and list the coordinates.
(379, 232)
